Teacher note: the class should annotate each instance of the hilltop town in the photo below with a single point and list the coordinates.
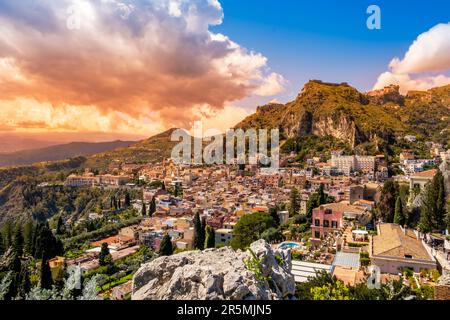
(341, 206)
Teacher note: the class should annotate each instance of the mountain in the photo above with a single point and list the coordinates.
(379, 118)
(12, 143)
(59, 152)
(150, 150)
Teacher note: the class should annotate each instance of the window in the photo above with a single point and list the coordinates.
(317, 234)
(408, 256)
(334, 224)
(326, 223)
(317, 222)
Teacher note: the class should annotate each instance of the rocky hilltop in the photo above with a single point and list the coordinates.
(341, 111)
(217, 274)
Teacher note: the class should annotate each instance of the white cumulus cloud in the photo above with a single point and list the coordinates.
(429, 53)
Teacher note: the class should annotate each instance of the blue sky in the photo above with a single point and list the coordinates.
(328, 40)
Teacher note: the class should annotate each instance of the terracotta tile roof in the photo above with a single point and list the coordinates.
(349, 276)
(344, 207)
(392, 241)
(426, 174)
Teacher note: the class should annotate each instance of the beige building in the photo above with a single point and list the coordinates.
(395, 248)
(420, 179)
(347, 164)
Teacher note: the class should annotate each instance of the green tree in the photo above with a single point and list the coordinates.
(46, 245)
(274, 214)
(46, 275)
(104, 255)
(152, 207)
(24, 282)
(432, 211)
(60, 226)
(210, 239)
(272, 235)
(199, 241)
(250, 228)
(2, 245)
(166, 247)
(8, 234)
(18, 240)
(322, 195)
(178, 191)
(338, 291)
(386, 205)
(399, 217)
(316, 200)
(447, 217)
(144, 209)
(127, 199)
(28, 237)
(202, 233)
(294, 202)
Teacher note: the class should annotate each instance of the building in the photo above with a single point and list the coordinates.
(348, 164)
(420, 179)
(122, 291)
(224, 236)
(303, 271)
(80, 181)
(329, 218)
(394, 248)
(89, 180)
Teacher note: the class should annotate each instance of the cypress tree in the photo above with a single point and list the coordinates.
(399, 217)
(210, 240)
(152, 207)
(447, 217)
(35, 240)
(127, 199)
(202, 234)
(60, 226)
(46, 274)
(8, 234)
(2, 246)
(18, 241)
(440, 200)
(322, 196)
(24, 282)
(432, 213)
(294, 202)
(197, 232)
(104, 253)
(274, 215)
(386, 205)
(166, 247)
(144, 208)
(28, 237)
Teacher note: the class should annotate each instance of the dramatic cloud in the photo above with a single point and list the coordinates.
(129, 64)
(430, 53)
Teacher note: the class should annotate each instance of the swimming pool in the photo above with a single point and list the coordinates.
(289, 245)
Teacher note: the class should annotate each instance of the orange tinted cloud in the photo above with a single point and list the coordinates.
(134, 63)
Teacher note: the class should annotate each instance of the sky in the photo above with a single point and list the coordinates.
(136, 68)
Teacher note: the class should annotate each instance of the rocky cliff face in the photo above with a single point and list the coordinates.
(340, 111)
(217, 274)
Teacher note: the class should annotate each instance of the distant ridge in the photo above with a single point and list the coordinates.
(59, 152)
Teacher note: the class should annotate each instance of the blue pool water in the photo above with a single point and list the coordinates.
(290, 245)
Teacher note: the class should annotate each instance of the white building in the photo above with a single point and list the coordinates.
(348, 164)
(224, 236)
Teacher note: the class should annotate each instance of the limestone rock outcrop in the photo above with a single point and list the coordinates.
(217, 274)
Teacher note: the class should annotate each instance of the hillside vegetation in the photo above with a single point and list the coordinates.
(340, 111)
